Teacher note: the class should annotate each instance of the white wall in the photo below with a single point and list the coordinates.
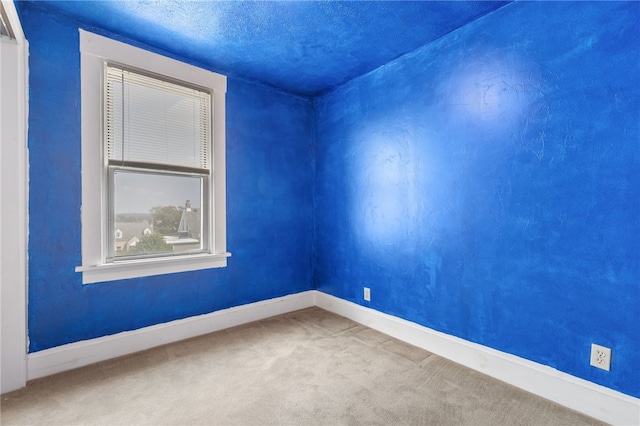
(13, 206)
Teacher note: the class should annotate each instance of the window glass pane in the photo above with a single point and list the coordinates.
(156, 214)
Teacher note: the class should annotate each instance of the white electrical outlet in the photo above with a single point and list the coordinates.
(600, 356)
(367, 294)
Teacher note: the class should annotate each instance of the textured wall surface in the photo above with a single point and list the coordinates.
(269, 206)
(304, 47)
(487, 186)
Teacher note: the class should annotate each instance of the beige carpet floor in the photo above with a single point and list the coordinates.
(305, 367)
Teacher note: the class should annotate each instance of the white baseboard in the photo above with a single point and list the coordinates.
(586, 397)
(581, 395)
(78, 354)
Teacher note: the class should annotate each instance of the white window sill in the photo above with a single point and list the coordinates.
(148, 267)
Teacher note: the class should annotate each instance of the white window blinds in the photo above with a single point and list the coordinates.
(155, 123)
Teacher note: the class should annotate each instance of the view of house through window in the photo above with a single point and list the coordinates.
(152, 130)
(156, 213)
(157, 136)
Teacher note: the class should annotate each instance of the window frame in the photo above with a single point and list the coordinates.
(205, 238)
(95, 50)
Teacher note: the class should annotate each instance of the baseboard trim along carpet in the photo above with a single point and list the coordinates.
(581, 395)
(86, 352)
(586, 397)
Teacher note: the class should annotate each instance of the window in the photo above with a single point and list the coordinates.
(153, 166)
(156, 136)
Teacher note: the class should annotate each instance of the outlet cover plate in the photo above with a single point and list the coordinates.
(367, 294)
(600, 357)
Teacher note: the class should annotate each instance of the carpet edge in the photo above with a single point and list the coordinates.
(586, 397)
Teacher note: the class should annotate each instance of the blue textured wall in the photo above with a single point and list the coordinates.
(269, 206)
(488, 186)
(272, 41)
(485, 186)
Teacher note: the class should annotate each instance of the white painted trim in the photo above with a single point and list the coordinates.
(113, 50)
(150, 267)
(78, 354)
(94, 50)
(586, 397)
(14, 201)
(581, 395)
